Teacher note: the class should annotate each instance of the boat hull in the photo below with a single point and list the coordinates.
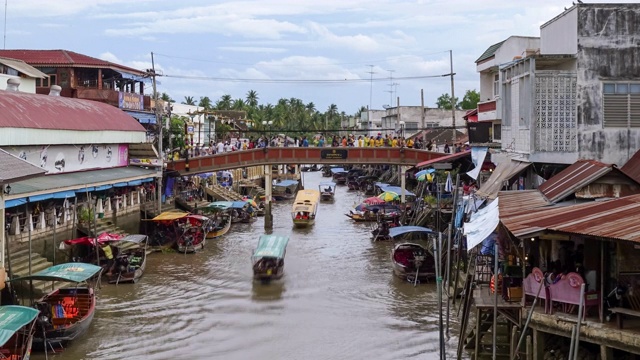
(220, 232)
(63, 334)
(128, 277)
(191, 248)
(303, 223)
(406, 266)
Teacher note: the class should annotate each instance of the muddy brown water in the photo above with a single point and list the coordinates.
(337, 300)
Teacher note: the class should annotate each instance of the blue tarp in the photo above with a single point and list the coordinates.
(135, 183)
(398, 190)
(15, 202)
(147, 180)
(40, 197)
(120, 184)
(64, 194)
(143, 118)
(238, 204)
(400, 230)
(381, 185)
(83, 190)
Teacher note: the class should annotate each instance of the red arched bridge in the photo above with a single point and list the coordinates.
(303, 155)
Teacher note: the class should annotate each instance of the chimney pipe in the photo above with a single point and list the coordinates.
(13, 84)
(55, 90)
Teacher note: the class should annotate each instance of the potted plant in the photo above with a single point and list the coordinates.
(85, 216)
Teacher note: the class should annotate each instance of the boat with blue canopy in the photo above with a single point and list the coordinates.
(339, 175)
(66, 313)
(412, 261)
(285, 189)
(268, 258)
(17, 327)
(327, 190)
(242, 211)
(131, 260)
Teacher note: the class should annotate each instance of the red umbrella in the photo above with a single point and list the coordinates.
(373, 201)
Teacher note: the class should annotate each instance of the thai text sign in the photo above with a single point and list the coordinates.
(130, 101)
(334, 154)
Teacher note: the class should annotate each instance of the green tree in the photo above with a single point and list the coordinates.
(165, 97)
(189, 100)
(205, 102)
(252, 98)
(444, 102)
(224, 103)
(470, 100)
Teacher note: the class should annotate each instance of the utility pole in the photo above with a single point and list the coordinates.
(371, 72)
(391, 84)
(453, 99)
(422, 113)
(159, 125)
(5, 24)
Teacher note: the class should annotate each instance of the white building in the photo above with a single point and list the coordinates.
(412, 118)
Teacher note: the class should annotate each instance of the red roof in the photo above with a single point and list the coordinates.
(571, 179)
(64, 58)
(632, 167)
(23, 110)
(445, 158)
(616, 219)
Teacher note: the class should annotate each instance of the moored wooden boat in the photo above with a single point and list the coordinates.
(412, 262)
(17, 327)
(305, 207)
(130, 263)
(268, 258)
(194, 230)
(327, 190)
(65, 314)
(339, 175)
(221, 226)
(285, 189)
(167, 229)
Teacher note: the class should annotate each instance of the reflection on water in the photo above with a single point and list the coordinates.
(338, 299)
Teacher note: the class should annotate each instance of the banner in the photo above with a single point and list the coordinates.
(478, 154)
(58, 159)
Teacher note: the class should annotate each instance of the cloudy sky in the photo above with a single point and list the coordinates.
(320, 51)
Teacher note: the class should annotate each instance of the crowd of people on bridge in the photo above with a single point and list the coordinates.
(238, 144)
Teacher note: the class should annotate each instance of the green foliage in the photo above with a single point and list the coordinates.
(444, 102)
(205, 102)
(470, 100)
(189, 100)
(85, 215)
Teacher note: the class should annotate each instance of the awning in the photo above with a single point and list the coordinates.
(61, 186)
(130, 76)
(142, 117)
(103, 187)
(15, 202)
(503, 172)
(23, 67)
(482, 224)
(121, 184)
(135, 183)
(446, 158)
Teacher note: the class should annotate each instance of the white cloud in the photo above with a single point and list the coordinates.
(253, 49)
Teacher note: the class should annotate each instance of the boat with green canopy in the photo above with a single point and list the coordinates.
(17, 325)
(268, 258)
(65, 313)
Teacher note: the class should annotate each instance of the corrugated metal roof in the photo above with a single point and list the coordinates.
(63, 58)
(571, 179)
(504, 171)
(15, 169)
(632, 167)
(34, 111)
(23, 67)
(490, 51)
(78, 180)
(615, 219)
(445, 158)
(517, 201)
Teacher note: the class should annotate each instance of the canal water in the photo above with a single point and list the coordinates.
(337, 300)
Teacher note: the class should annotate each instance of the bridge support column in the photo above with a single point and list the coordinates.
(268, 186)
(403, 182)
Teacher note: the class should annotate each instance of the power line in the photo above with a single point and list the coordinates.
(298, 81)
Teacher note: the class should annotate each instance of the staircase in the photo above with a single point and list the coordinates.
(20, 267)
(221, 193)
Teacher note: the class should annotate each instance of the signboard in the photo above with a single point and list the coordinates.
(130, 101)
(334, 154)
(58, 159)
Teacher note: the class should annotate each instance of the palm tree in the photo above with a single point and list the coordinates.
(252, 98)
(238, 104)
(189, 100)
(332, 111)
(166, 98)
(224, 103)
(205, 102)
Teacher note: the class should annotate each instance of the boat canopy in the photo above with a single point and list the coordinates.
(271, 246)
(397, 190)
(337, 170)
(13, 318)
(239, 204)
(103, 238)
(170, 215)
(400, 230)
(221, 205)
(70, 272)
(286, 183)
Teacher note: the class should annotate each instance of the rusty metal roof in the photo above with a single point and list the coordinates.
(519, 200)
(614, 219)
(632, 167)
(63, 58)
(34, 111)
(571, 179)
(503, 172)
(16, 169)
(445, 158)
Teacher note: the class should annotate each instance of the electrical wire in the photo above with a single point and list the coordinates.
(299, 81)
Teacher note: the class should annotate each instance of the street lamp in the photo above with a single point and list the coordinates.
(402, 128)
(265, 123)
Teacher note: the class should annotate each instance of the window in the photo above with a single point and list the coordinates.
(497, 132)
(496, 85)
(621, 104)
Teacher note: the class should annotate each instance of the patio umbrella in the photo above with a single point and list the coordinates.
(389, 196)
(425, 177)
(373, 201)
(251, 202)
